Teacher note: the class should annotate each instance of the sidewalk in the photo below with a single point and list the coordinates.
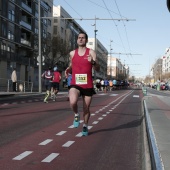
(157, 114)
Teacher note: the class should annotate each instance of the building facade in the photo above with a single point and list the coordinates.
(102, 55)
(19, 37)
(117, 70)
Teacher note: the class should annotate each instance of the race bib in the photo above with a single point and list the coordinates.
(81, 78)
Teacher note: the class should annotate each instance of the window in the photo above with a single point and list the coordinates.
(49, 35)
(10, 35)
(44, 34)
(90, 43)
(55, 20)
(62, 30)
(55, 29)
(49, 8)
(3, 46)
(49, 22)
(11, 15)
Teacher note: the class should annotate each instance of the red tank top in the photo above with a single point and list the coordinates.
(56, 77)
(81, 70)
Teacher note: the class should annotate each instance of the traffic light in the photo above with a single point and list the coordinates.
(168, 5)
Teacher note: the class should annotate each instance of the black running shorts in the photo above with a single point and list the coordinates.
(84, 92)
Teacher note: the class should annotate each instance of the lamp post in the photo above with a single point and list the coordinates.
(39, 44)
(95, 43)
(111, 59)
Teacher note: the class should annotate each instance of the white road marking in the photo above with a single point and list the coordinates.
(135, 95)
(50, 157)
(81, 121)
(107, 112)
(102, 94)
(104, 115)
(95, 122)
(89, 127)
(79, 134)
(69, 143)
(72, 126)
(46, 142)
(100, 118)
(113, 94)
(61, 133)
(97, 112)
(110, 110)
(92, 114)
(22, 155)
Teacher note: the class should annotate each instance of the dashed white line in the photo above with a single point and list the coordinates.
(61, 133)
(72, 126)
(46, 142)
(135, 95)
(89, 127)
(79, 134)
(92, 114)
(22, 155)
(104, 115)
(69, 143)
(50, 157)
(95, 122)
(100, 118)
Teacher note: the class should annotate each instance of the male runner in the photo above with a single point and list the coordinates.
(82, 60)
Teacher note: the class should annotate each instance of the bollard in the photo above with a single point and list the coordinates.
(145, 91)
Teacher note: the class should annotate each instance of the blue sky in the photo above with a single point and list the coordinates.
(148, 36)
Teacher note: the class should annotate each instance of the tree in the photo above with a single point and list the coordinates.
(168, 5)
(59, 53)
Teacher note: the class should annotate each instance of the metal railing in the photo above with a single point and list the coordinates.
(6, 85)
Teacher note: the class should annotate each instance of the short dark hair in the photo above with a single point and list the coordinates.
(86, 36)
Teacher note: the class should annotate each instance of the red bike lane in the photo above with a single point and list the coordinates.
(60, 146)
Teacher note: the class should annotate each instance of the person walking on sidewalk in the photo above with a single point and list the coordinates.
(48, 76)
(55, 82)
(82, 60)
(14, 80)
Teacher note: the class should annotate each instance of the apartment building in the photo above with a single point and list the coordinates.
(102, 55)
(66, 29)
(166, 61)
(19, 37)
(116, 69)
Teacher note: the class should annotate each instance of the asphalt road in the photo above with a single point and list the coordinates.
(39, 136)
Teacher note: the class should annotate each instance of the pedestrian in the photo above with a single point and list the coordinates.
(14, 80)
(48, 76)
(55, 83)
(69, 78)
(82, 60)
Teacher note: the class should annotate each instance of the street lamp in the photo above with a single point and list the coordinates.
(110, 59)
(39, 44)
(95, 43)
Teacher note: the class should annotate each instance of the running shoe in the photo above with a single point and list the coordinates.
(85, 131)
(45, 101)
(76, 121)
(54, 97)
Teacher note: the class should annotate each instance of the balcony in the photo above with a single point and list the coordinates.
(26, 7)
(26, 25)
(25, 42)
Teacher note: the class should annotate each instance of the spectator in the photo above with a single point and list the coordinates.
(14, 80)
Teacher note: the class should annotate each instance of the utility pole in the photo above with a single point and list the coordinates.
(110, 59)
(95, 43)
(39, 44)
